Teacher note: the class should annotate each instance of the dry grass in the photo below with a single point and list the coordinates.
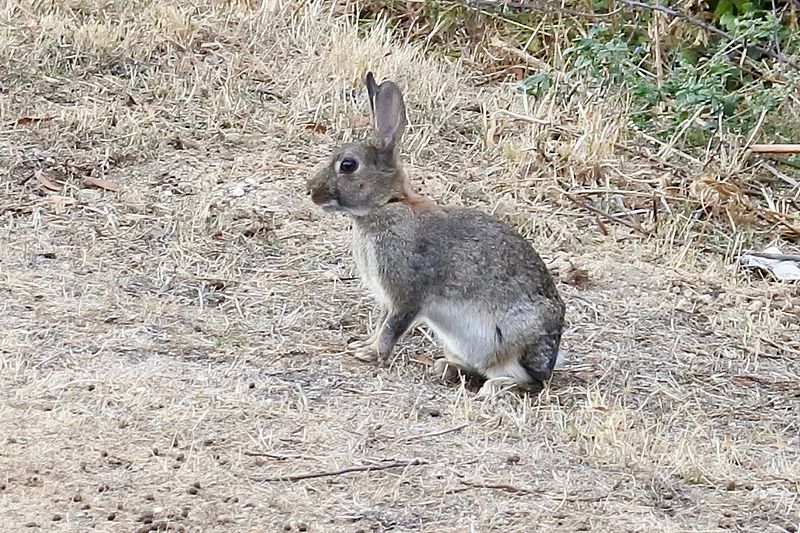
(167, 351)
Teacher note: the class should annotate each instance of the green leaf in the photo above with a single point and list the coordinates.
(724, 7)
(536, 85)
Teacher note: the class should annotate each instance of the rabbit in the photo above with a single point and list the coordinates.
(475, 281)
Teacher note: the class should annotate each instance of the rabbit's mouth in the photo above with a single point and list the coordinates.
(331, 206)
(334, 206)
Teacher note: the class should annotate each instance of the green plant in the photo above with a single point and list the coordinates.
(711, 84)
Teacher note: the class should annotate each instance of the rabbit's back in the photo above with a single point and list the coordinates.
(450, 253)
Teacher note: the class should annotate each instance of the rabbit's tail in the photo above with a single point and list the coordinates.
(541, 356)
(562, 358)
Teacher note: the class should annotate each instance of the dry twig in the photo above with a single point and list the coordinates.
(332, 473)
(775, 257)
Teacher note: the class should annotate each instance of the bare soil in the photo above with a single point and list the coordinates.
(172, 338)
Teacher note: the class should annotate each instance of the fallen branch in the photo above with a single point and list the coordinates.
(775, 148)
(500, 486)
(332, 473)
(522, 490)
(434, 433)
(524, 118)
(276, 456)
(774, 257)
(608, 216)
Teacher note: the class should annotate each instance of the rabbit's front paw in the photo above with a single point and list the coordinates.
(364, 341)
(364, 351)
(360, 343)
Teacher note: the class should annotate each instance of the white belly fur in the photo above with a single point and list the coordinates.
(367, 264)
(470, 333)
(465, 330)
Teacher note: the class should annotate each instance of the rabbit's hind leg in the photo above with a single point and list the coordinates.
(507, 373)
(499, 385)
(450, 367)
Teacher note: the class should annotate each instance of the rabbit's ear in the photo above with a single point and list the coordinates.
(388, 112)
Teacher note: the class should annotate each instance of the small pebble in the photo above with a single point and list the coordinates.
(238, 191)
(755, 306)
(224, 519)
(112, 516)
(705, 298)
(57, 518)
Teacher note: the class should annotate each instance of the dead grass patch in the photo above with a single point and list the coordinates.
(167, 349)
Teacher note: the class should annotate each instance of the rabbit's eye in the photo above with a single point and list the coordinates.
(348, 165)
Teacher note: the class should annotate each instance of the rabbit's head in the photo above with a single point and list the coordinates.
(363, 176)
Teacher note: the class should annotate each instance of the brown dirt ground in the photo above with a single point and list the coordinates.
(171, 352)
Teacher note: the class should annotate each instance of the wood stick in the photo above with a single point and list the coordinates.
(608, 216)
(775, 148)
(513, 489)
(434, 433)
(500, 486)
(331, 473)
(775, 257)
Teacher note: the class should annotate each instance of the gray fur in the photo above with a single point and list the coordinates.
(473, 279)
